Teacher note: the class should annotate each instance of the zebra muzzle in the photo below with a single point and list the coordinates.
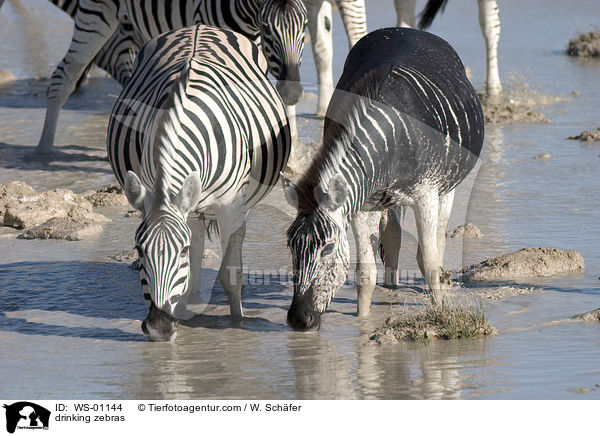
(159, 326)
(289, 86)
(301, 316)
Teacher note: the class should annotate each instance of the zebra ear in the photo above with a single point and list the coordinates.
(189, 196)
(335, 195)
(134, 190)
(289, 189)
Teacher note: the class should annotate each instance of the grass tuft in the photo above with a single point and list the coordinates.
(447, 321)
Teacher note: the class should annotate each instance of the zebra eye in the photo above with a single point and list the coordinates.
(185, 252)
(140, 252)
(328, 249)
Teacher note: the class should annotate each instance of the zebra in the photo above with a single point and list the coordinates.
(199, 132)
(353, 15)
(489, 21)
(117, 55)
(279, 24)
(404, 127)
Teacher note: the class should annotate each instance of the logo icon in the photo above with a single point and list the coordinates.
(25, 415)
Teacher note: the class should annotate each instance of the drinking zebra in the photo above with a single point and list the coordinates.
(278, 23)
(489, 21)
(404, 127)
(198, 132)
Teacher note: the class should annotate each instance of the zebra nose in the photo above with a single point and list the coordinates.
(302, 318)
(159, 326)
(289, 86)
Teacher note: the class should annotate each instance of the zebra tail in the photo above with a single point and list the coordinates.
(428, 14)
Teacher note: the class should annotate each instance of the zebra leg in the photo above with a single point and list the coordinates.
(426, 210)
(443, 216)
(489, 20)
(319, 26)
(91, 31)
(364, 227)
(196, 252)
(117, 56)
(390, 234)
(354, 16)
(232, 230)
(405, 11)
(291, 113)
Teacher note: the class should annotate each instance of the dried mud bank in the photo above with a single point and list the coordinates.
(527, 262)
(588, 135)
(108, 196)
(55, 214)
(585, 45)
(451, 320)
(594, 315)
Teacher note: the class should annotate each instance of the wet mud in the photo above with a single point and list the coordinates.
(527, 262)
(585, 45)
(588, 136)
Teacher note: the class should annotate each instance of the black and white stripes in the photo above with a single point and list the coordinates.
(404, 127)
(96, 21)
(198, 133)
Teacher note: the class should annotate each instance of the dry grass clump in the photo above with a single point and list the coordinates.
(447, 321)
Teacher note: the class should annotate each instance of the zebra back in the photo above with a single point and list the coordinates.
(230, 124)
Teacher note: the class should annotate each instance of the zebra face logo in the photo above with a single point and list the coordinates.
(282, 24)
(320, 253)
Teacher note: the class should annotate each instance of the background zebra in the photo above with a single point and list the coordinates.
(279, 24)
(199, 131)
(117, 55)
(404, 127)
(320, 22)
(489, 20)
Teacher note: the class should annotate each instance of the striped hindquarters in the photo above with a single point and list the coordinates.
(230, 123)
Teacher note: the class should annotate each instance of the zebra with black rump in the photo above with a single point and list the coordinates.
(404, 127)
(278, 23)
(489, 21)
(198, 133)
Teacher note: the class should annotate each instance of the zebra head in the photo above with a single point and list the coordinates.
(163, 242)
(320, 253)
(282, 24)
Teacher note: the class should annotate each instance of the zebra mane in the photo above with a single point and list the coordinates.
(339, 135)
(167, 134)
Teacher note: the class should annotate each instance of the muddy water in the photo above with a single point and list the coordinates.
(70, 317)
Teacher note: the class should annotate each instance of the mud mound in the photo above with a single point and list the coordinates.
(6, 76)
(527, 262)
(57, 214)
(448, 321)
(594, 315)
(64, 228)
(588, 135)
(519, 103)
(465, 231)
(108, 196)
(585, 45)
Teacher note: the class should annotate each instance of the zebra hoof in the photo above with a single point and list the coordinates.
(159, 326)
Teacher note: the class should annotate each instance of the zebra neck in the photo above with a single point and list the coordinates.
(343, 156)
(247, 11)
